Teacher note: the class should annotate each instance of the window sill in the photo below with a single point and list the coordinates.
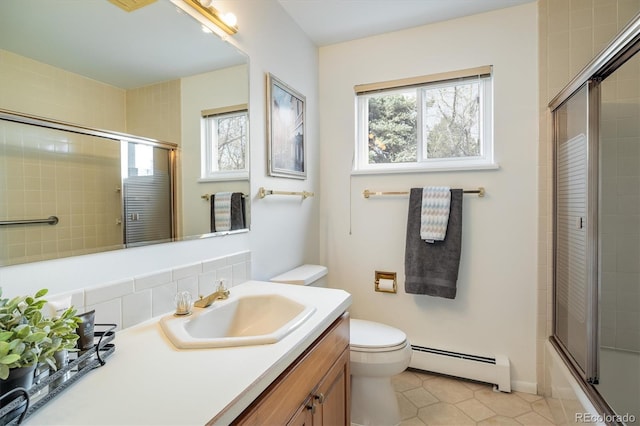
(423, 169)
(225, 177)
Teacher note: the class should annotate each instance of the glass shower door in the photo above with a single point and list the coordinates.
(619, 236)
(575, 257)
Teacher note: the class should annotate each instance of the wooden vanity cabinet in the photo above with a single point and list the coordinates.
(314, 390)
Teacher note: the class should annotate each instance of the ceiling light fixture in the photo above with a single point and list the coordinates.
(226, 22)
(131, 5)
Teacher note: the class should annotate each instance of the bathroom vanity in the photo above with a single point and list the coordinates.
(147, 380)
(314, 390)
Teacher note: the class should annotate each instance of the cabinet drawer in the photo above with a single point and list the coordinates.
(281, 400)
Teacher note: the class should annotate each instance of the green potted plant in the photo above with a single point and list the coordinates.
(62, 332)
(28, 338)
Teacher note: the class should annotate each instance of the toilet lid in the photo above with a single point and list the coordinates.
(302, 275)
(372, 335)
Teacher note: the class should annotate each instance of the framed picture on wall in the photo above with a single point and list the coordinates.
(285, 130)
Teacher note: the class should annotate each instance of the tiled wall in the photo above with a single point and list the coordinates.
(39, 89)
(45, 172)
(620, 209)
(137, 299)
(572, 32)
(154, 111)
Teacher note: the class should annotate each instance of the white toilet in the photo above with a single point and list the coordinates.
(378, 352)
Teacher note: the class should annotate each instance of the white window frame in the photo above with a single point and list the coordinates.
(484, 75)
(209, 146)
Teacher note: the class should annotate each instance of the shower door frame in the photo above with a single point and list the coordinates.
(624, 46)
(589, 371)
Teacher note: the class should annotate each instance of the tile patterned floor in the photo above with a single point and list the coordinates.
(430, 399)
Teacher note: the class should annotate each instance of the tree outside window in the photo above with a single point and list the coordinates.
(225, 144)
(435, 125)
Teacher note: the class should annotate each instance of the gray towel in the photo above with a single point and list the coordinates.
(432, 268)
(238, 214)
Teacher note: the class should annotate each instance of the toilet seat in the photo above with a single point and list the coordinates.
(376, 350)
(369, 336)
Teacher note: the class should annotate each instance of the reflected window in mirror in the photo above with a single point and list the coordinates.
(224, 143)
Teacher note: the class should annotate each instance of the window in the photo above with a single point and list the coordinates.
(433, 122)
(224, 136)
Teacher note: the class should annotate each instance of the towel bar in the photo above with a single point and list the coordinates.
(366, 193)
(264, 192)
(208, 196)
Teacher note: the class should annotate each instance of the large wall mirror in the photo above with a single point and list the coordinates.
(129, 124)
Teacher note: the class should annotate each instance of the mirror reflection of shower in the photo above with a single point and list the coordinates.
(147, 194)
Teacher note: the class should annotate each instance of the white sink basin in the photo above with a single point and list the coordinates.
(238, 321)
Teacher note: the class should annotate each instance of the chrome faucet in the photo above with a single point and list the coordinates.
(220, 294)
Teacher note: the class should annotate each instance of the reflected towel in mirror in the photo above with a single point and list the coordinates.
(227, 211)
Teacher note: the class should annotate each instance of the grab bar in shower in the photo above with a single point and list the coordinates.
(51, 220)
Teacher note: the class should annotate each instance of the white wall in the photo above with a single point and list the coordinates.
(284, 229)
(495, 310)
(284, 232)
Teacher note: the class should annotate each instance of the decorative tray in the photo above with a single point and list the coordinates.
(47, 384)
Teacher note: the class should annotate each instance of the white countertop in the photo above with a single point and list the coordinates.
(147, 381)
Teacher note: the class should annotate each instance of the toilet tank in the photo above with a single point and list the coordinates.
(313, 275)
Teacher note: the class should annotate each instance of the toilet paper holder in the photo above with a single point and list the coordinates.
(386, 282)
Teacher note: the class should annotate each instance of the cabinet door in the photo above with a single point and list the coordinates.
(286, 396)
(333, 395)
(305, 414)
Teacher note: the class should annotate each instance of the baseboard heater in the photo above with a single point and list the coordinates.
(494, 370)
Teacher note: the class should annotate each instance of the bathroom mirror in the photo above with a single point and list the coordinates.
(153, 73)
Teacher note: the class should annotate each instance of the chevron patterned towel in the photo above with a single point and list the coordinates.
(222, 211)
(435, 213)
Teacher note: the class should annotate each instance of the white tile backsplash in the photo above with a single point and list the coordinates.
(214, 264)
(239, 273)
(236, 258)
(207, 283)
(108, 312)
(186, 271)
(140, 298)
(189, 284)
(107, 292)
(136, 308)
(152, 280)
(163, 299)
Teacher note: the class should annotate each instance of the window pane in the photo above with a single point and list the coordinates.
(392, 130)
(232, 132)
(140, 159)
(451, 121)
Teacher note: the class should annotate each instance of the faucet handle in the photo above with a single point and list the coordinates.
(222, 291)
